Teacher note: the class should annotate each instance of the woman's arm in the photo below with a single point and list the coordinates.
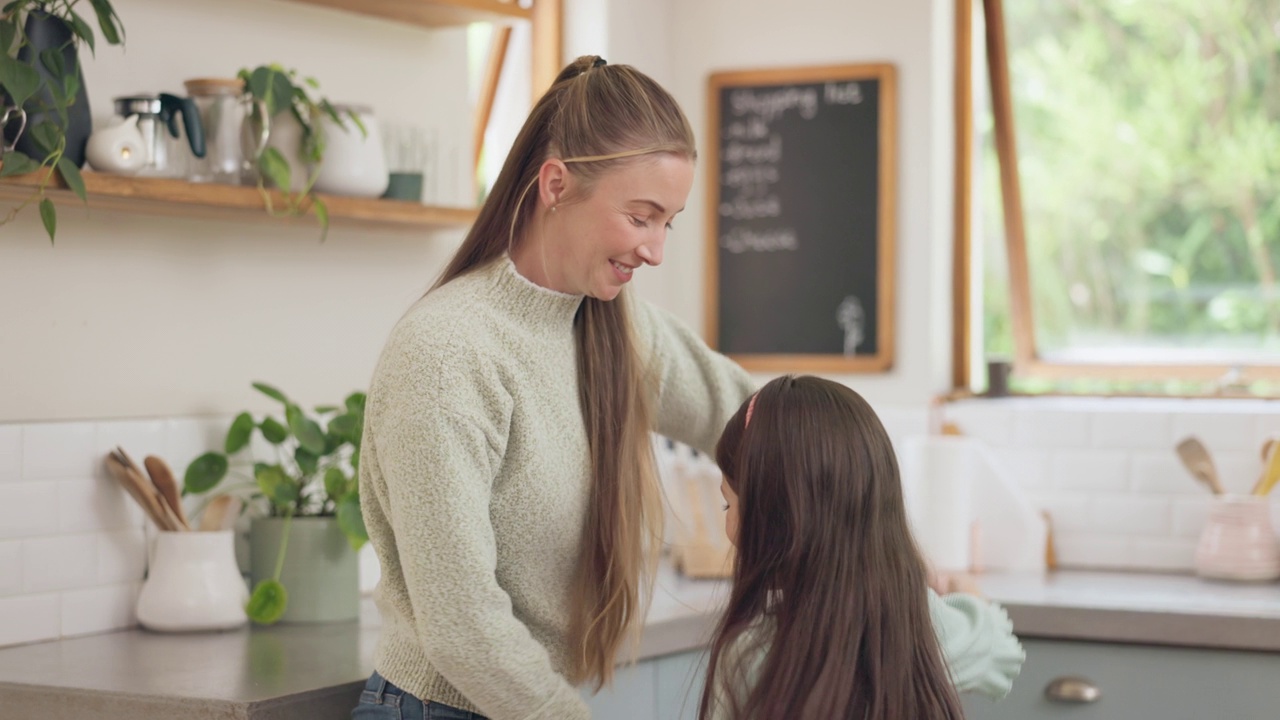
(439, 440)
(698, 388)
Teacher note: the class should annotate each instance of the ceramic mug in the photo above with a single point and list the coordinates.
(1238, 542)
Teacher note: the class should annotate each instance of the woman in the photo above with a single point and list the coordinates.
(507, 478)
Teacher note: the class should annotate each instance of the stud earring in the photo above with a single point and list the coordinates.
(553, 208)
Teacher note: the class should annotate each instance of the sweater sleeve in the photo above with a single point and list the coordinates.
(698, 388)
(978, 643)
(440, 437)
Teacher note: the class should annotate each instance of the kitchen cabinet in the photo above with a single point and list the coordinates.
(1140, 682)
(662, 688)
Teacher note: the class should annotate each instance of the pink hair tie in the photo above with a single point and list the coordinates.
(751, 407)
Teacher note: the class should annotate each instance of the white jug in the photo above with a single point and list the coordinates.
(193, 584)
(118, 148)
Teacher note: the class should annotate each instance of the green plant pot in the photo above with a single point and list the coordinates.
(321, 572)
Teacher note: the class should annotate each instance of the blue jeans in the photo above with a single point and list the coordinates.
(383, 701)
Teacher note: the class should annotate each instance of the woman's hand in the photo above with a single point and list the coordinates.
(945, 583)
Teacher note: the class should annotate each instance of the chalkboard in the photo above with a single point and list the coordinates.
(800, 218)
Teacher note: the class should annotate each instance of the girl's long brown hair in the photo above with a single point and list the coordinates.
(594, 117)
(826, 569)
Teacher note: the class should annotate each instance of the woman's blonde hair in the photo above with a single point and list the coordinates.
(593, 118)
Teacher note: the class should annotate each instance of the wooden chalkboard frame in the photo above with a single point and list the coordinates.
(886, 75)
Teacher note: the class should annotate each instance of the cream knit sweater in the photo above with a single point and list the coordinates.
(474, 483)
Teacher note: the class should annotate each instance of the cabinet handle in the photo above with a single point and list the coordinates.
(1072, 690)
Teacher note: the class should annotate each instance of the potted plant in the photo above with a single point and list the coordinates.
(303, 540)
(42, 83)
(279, 98)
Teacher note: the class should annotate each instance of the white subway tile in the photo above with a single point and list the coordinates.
(1133, 430)
(1084, 551)
(59, 451)
(1163, 473)
(1128, 515)
(1068, 513)
(10, 567)
(99, 609)
(1190, 516)
(990, 422)
(1051, 428)
(1165, 554)
(29, 618)
(1090, 470)
(1219, 431)
(28, 509)
(1029, 467)
(59, 563)
(96, 504)
(1268, 427)
(188, 438)
(138, 438)
(122, 556)
(10, 453)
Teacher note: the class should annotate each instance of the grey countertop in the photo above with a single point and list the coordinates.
(316, 671)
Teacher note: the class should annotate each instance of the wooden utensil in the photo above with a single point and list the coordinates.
(218, 513)
(1195, 457)
(162, 478)
(1270, 473)
(142, 493)
(140, 478)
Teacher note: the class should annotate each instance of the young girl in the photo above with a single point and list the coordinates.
(830, 614)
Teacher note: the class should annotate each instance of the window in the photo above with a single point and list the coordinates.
(1121, 183)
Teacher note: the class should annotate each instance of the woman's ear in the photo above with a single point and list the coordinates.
(553, 182)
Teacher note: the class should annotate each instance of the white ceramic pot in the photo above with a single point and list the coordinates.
(193, 584)
(118, 148)
(354, 163)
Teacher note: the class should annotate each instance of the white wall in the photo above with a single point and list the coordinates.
(131, 316)
(711, 35)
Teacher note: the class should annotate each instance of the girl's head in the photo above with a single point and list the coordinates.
(825, 566)
(600, 167)
(599, 170)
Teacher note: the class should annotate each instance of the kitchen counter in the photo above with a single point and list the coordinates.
(316, 671)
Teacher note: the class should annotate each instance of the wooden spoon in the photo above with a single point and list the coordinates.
(217, 513)
(144, 495)
(162, 478)
(1195, 457)
(1270, 471)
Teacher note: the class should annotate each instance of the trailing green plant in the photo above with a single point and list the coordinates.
(277, 90)
(315, 475)
(53, 94)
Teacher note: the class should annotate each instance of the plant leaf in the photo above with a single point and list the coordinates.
(276, 169)
(106, 20)
(8, 31)
(308, 432)
(276, 484)
(270, 392)
(205, 472)
(70, 86)
(326, 409)
(20, 80)
(267, 603)
(71, 174)
(308, 462)
(49, 216)
(273, 431)
(355, 402)
(347, 426)
(47, 135)
(355, 460)
(239, 432)
(322, 214)
(351, 521)
(335, 483)
(53, 61)
(83, 31)
(17, 163)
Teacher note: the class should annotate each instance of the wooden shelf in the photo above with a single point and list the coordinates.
(432, 13)
(178, 198)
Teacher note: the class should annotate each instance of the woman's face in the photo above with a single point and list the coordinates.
(597, 237)
(730, 512)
